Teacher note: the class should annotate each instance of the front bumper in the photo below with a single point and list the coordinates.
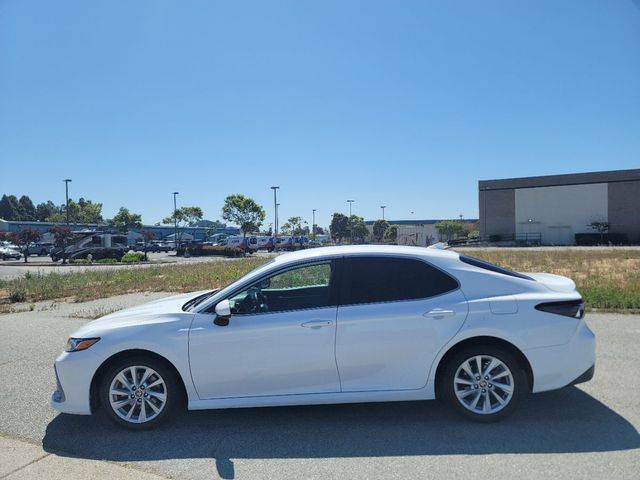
(561, 365)
(74, 372)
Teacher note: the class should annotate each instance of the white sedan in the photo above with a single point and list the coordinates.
(335, 325)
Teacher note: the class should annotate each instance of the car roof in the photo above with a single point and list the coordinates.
(349, 250)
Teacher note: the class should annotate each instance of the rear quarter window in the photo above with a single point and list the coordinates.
(476, 262)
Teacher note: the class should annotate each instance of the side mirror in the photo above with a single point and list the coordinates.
(223, 312)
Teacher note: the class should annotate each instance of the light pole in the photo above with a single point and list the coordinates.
(175, 221)
(350, 202)
(313, 225)
(64, 242)
(383, 207)
(275, 217)
(66, 188)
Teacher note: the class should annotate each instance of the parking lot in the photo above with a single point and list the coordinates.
(588, 431)
(16, 268)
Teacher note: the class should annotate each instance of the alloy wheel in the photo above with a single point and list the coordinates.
(137, 394)
(483, 384)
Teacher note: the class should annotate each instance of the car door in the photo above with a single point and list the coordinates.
(395, 314)
(280, 339)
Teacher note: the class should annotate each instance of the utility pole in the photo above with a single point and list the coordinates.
(350, 202)
(66, 188)
(383, 207)
(275, 213)
(313, 225)
(175, 221)
(64, 244)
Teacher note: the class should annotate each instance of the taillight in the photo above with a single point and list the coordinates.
(568, 308)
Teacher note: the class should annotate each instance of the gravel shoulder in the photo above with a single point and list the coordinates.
(588, 431)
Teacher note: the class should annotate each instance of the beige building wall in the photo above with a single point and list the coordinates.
(560, 212)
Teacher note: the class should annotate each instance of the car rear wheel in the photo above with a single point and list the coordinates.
(138, 393)
(484, 384)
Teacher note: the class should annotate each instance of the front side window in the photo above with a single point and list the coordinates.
(294, 289)
(389, 279)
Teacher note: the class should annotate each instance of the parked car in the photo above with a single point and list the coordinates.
(159, 247)
(99, 253)
(40, 248)
(7, 253)
(100, 245)
(336, 325)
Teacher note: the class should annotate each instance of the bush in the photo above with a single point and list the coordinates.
(17, 295)
(133, 257)
(209, 250)
(587, 239)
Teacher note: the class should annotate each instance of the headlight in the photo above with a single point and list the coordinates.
(78, 344)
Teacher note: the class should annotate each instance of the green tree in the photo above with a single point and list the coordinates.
(82, 211)
(379, 227)
(9, 208)
(339, 227)
(391, 233)
(184, 217)
(23, 238)
(295, 226)
(244, 212)
(124, 220)
(449, 229)
(90, 212)
(358, 230)
(45, 210)
(27, 209)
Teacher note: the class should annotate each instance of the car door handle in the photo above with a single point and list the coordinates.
(439, 313)
(317, 324)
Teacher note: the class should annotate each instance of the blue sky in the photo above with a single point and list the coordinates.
(397, 103)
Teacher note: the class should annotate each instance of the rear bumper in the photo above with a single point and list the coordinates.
(561, 365)
(586, 376)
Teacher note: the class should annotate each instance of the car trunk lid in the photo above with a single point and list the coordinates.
(557, 283)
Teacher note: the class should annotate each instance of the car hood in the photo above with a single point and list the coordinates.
(162, 310)
(557, 283)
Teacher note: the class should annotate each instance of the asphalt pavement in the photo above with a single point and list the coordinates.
(586, 431)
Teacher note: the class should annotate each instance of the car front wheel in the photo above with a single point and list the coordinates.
(138, 393)
(484, 384)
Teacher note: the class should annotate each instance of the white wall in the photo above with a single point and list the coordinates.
(558, 213)
(417, 235)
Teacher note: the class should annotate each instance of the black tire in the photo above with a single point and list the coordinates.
(518, 379)
(171, 390)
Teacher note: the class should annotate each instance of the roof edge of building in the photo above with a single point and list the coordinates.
(610, 176)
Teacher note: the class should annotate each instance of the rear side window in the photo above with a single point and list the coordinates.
(476, 262)
(387, 279)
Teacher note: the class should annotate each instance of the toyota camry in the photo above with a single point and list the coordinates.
(335, 325)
